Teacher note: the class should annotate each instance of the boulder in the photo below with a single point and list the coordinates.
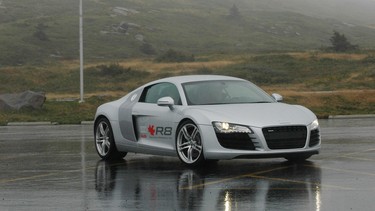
(124, 11)
(27, 99)
(139, 37)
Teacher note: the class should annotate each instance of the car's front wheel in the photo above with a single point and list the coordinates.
(189, 144)
(105, 142)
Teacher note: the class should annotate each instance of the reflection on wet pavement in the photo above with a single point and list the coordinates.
(56, 168)
(263, 186)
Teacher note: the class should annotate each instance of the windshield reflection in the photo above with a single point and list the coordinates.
(163, 186)
(217, 92)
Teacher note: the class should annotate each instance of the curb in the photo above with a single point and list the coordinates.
(87, 123)
(364, 116)
(44, 123)
(31, 123)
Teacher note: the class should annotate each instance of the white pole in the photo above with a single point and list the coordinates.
(81, 50)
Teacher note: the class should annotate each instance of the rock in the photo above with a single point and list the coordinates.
(124, 11)
(27, 99)
(139, 37)
(124, 27)
(134, 25)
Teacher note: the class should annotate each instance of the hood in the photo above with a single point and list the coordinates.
(258, 115)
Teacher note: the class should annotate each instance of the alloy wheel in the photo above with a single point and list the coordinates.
(189, 144)
(102, 138)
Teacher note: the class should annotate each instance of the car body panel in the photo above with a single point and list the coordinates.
(257, 115)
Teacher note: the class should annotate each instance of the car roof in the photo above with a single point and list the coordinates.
(194, 78)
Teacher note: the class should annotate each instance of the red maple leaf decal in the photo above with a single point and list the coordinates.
(151, 130)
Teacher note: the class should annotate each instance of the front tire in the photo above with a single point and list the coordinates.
(189, 144)
(105, 142)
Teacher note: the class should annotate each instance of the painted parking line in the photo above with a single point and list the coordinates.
(258, 175)
(358, 152)
(39, 176)
(358, 158)
(301, 182)
(347, 155)
(233, 178)
(4, 181)
(344, 170)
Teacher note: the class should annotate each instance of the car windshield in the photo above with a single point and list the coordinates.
(224, 92)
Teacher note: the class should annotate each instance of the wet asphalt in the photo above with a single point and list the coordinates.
(57, 168)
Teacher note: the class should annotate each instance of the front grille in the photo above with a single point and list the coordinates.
(235, 141)
(285, 137)
(314, 138)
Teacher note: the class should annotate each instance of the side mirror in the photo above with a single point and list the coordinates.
(277, 97)
(166, 101)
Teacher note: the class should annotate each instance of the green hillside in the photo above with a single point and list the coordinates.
(327, 83)
(36, 31)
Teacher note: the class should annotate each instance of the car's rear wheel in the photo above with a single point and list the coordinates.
(105, 142)
(189, 144)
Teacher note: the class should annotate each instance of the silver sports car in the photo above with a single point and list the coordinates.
(204, 117)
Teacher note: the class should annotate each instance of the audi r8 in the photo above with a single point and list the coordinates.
(205, 117)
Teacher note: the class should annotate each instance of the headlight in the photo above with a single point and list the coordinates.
(225, 127)
(314, 125)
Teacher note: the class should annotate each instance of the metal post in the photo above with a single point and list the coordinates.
(81, 50)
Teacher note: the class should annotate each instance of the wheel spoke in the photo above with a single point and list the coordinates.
(103, 146)
(190, 154)
(197, 148)
(106, 131)
(108, 144)
(101, 129)
(99, 146)
(184, 147)
(194, 133)
(99, 140)
(184, 144)
(185, 133)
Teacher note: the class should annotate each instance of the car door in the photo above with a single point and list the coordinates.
(126, 121)
(155, 125)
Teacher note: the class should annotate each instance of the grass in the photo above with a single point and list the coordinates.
(344, 102)
(206, 29)
(68, 112)
(328, 84)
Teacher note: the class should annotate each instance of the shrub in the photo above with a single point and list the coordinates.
(112, 69)
(175, 56)
(39, 33)
(203, 70)
(115, 72)
(340, 43)
(147, 49)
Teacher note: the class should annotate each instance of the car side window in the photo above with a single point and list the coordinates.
(153, 93)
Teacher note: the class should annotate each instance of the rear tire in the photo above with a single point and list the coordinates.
(104, 141)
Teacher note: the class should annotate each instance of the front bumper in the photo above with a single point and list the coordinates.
(214, 150)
